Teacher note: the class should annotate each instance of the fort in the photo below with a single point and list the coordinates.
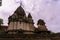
(21, 27)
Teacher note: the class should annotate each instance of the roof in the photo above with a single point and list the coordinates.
(20, 11)
(17, 14)
(41, 22)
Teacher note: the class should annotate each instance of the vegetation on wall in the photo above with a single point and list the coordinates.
(1, 21)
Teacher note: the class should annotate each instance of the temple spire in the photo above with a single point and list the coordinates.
(29, 15)
(20, 11)
(30, 18)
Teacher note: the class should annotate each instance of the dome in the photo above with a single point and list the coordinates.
(41, 22)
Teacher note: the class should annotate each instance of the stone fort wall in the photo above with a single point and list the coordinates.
(28, 37)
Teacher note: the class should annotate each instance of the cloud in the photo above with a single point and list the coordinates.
(47, 10)
(8, 7)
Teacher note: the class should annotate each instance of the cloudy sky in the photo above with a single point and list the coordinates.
(48, 10)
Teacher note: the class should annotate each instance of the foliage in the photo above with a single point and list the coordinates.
(1, 21)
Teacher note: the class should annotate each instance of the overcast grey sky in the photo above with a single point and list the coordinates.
(48, 10)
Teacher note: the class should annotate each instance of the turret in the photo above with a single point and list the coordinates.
(41, 25)
(30, 18)
(29, 15)
(41, 22)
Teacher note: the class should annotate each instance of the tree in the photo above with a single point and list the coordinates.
(1, 21)
(0, 2)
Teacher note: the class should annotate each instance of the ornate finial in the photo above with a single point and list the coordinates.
(20, 2)
(41, 22)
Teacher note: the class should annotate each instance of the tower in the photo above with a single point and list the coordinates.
(41, 27)
(31, 23)
(30, 18)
